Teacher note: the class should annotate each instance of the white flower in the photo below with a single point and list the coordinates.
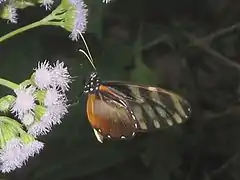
(47, 4)
(52, 117)
(47, 76)
(2, 1)
(43, 76)
(32, 148)
(11, 13)
(61, 77)
(57, 112)
(28, 118)
(80, 19)
(15, 153)
(39, 128)
(12, 156)
(25, 101)
(54, 97)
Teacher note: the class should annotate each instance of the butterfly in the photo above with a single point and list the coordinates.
(119, 110)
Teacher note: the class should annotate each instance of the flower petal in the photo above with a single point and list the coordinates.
(43, 77)
(80, 21)
(12, 156)
(24, 102)
(61, 76)
(33, 147)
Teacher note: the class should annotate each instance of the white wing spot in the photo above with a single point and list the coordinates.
(133, 133)
(156, 123)
(133, 117)
(177, 118)
(108, 136)
(170, 123)
(123, 103)
(135, 124)
(123, 137)
(98, 136)
(161, 112)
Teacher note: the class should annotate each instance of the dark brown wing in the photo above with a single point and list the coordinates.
(153, 107)
(109, 116)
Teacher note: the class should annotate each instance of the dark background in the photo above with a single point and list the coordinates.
(189, 47)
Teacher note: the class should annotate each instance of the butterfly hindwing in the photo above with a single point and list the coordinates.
(109, 118)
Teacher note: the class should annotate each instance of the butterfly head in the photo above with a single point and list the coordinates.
(93, 83)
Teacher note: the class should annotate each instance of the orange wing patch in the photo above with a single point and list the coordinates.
(110, 119)
(95, 120)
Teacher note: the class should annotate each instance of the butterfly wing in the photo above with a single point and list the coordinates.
(109, 117)
(153, 107)
(118, 110)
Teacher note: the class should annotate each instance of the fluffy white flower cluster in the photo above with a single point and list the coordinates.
(78, 23)
(43, 103)
(40, 103)
(16, 152)
(9, 8)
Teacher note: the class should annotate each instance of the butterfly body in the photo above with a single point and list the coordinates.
(119, 110)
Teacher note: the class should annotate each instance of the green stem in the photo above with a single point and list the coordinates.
(53, 16)
(8, 84)
(50, 23)
(20, 30)
(30, 26)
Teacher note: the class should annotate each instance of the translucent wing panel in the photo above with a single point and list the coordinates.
(153, 107)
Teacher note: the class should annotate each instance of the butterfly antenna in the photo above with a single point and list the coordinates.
(82, 51)
(89, 57)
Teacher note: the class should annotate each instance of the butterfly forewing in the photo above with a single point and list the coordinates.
(153, 107)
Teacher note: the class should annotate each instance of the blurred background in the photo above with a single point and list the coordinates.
(189, 47)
